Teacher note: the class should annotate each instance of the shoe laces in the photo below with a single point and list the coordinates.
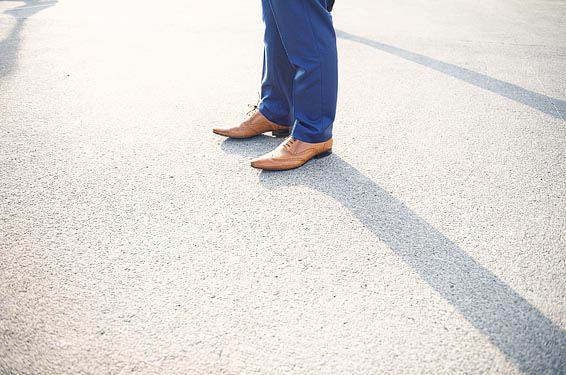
(289, 142)
(254, 107)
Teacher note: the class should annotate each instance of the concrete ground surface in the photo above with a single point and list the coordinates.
(133, 240)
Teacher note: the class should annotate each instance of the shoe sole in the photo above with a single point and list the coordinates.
(281, 133)
(323, 154)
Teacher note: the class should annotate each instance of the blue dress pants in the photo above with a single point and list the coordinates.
(300, 68)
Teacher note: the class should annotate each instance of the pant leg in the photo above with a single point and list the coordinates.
(308, 36)
(278, 74)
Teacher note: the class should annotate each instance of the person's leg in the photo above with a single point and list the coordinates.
(275, 110)
(278, 74)
(309, 40)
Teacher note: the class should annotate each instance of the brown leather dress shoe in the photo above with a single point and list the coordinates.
(256, 124)
(292, 153)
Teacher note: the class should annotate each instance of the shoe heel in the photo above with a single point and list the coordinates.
(323, 154)
(281, 133)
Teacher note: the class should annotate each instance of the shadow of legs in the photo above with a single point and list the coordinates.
(540, 102)
(517, 328)
(9, 46)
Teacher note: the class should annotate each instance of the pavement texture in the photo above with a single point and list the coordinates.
(133, 240)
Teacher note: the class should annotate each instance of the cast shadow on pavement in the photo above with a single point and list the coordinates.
(10, 45)
(520, 331)
(540, 102)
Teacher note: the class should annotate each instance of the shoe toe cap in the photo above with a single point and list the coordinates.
(258, 163)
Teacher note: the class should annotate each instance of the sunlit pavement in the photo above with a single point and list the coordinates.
(133, 240)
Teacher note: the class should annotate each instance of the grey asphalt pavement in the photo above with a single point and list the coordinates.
(134, 240)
